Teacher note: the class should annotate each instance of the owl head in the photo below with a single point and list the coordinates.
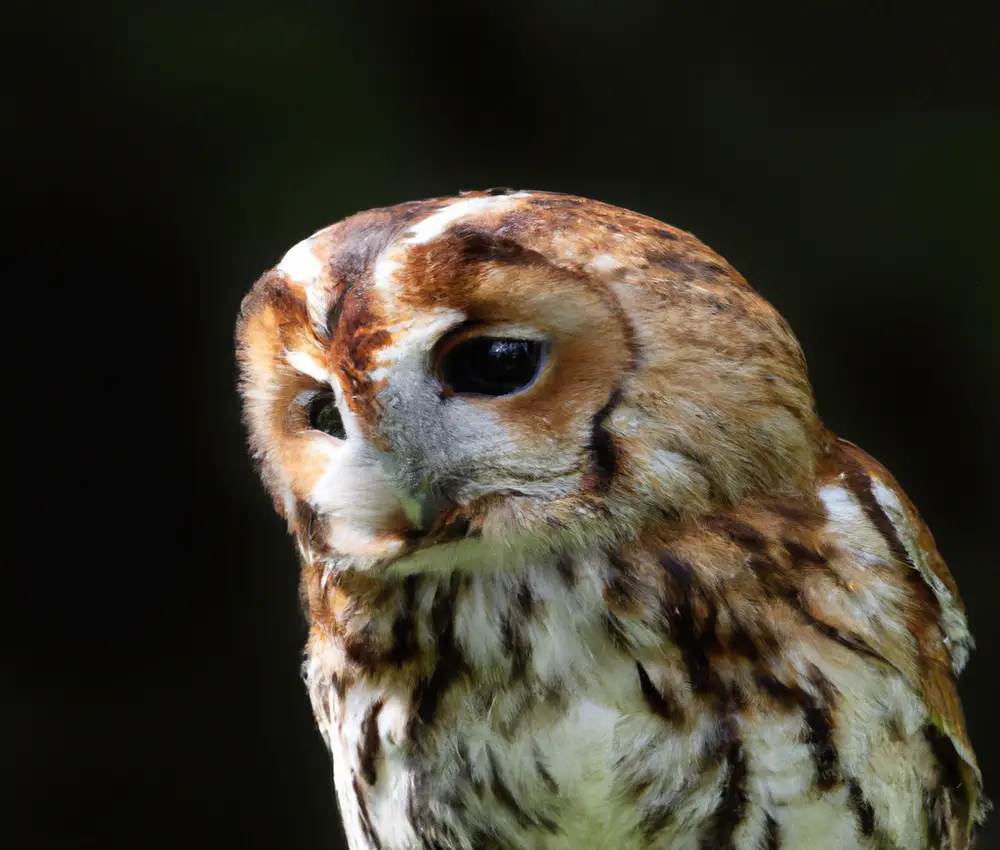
(452, 382)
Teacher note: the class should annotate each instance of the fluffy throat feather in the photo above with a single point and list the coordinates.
(752, 576)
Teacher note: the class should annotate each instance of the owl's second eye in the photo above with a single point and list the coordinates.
(492, 366)
(324, 415)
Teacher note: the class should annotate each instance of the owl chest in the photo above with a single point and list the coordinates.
(504, 770)
(507, 737)
(539, 739)
(511, 773)
(531, 732)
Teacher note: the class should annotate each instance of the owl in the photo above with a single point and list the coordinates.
(582, 566)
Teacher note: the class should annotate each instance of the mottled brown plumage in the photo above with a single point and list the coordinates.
(640, 598)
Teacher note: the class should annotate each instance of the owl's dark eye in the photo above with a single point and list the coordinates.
(324, 415)
(488, 365)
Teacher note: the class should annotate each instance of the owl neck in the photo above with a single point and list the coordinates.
(420, 625)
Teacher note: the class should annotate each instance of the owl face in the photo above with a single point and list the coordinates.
(448, 382)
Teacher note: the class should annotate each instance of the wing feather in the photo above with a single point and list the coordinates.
(943, 641)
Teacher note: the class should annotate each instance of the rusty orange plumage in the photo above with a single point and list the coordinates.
(583, 566)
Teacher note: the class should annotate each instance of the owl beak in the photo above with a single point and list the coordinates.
(421, 508)
(434, 519)
(432, 516)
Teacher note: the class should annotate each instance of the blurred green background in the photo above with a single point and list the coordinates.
(845, 157)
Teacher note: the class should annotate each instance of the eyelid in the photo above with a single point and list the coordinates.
(472, 329)
(465, 331)
(296, 413)
(304, 398)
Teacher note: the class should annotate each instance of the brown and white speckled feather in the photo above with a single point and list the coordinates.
(647, 602)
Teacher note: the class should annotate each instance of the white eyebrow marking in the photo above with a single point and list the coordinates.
(434, 225)
(307, 365)
(300, 263)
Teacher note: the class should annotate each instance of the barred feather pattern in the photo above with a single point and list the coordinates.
(649, 602)
(748, 680)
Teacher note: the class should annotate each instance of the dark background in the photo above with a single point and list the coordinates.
(159, 159)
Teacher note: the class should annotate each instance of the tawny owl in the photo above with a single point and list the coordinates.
(582, 565)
